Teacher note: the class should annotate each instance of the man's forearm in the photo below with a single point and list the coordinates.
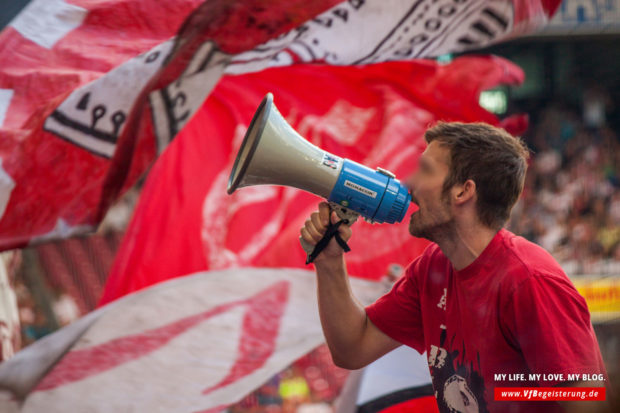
(343, 318)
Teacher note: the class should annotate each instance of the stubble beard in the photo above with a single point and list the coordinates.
(440, 227)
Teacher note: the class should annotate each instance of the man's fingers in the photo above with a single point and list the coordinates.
(312, 231)
(315, 227)
(307, 237)
(334, 217)
(315, 217)
(324, 211)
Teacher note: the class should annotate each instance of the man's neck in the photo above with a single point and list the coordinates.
(464, 244)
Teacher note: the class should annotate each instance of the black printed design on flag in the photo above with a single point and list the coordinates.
(173, 105)
(309, 42)
(412, 29)
(431, 28)
(93, 116)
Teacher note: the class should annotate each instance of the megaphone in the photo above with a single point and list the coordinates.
(273, 153)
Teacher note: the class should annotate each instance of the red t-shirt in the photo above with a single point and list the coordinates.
(511, 311)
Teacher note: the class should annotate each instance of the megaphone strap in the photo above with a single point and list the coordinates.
(332, 231)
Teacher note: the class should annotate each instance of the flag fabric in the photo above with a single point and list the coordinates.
(374, 114)
(91, 92)
(175, 347)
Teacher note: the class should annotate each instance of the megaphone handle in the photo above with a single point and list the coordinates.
(344, 213)
(332, 232)
(347, 217)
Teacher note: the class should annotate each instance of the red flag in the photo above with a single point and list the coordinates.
(375, 114)
(68, 147)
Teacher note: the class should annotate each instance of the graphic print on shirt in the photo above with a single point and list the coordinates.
(458, 386)
(442, 301)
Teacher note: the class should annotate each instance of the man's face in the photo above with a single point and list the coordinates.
(434, 215)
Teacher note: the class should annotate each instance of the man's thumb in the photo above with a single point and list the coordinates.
(334, 217)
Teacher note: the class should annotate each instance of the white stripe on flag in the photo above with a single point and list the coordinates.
(6, 187)
(5, 100)
(45, 22)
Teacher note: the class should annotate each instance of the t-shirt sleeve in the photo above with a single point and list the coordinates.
(398, 313)
(550, 323)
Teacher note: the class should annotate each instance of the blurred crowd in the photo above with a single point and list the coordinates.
(571, 202)
(35, 319)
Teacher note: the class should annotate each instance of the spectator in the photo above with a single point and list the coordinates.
(571, 202)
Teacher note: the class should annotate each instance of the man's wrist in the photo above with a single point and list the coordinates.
(330, 264)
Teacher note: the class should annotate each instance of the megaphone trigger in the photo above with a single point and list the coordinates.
(345, 214)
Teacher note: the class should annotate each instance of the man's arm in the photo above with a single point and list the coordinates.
(353, 340)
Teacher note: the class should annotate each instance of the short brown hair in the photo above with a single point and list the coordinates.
(491, 157)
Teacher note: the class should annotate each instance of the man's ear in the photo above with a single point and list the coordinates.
(464, 192)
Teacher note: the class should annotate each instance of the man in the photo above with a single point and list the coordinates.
(480, 300)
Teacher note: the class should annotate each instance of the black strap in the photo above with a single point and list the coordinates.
(332, 231)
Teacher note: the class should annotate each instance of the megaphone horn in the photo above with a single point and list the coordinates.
(273, 153)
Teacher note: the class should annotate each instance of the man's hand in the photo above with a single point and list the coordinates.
(315, 228)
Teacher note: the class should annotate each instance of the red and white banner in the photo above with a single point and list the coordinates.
(198, 343)
(91, 92)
